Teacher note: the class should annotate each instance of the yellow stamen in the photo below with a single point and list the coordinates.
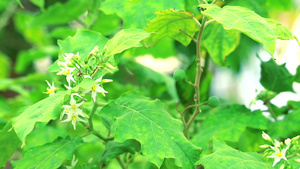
(94, 88)
(67, 72)
(74, 118)
(279, 154)
(49, 91)
(73, 107)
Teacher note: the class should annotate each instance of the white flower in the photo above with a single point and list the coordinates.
(67, 71)
(97, 88)
(266, 136)
(72, 111)
(278, 155)
(51, 89)
(73, 163)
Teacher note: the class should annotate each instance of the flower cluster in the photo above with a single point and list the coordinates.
(281, 150)
(76, 69)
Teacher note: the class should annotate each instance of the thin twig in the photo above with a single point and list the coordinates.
(209, 22)
(121, 163)
(187, 35)
(198, 76)
(190, 83)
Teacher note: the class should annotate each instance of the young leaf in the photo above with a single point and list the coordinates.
(227, 157)
(228, 123)
(9, 143)
(138, 14)
(39, 112)
(75, 44)
(246, 21)
(56, 14)
(276, 77)
(48, 156)
(139, 118)
(125, 39)
(216, 37)
(113, 149)
(169, 23)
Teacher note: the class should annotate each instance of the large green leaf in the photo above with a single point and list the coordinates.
(113, 149)
(219, 42)
(136, 14)
(228, 123)
(125, 39)
(291, 122)
(169, 23)
(48, 156)
(258, 7)
(61, 13)
(246, 21)
(276, 77)
(9, 143)
(161, 136)
(227, 157)
(163, 49)
(39, 112)
(83, 42)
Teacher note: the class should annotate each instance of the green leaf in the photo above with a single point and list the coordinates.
(258, 7)
(125, 39)
(291, 122)
(276, 77)
(19, 2)
(242, 53)
(246, 21)
(48, 156)
(220, 42)
(9, 143)
(297, 76)
(138, 14)
(139, 118)
(227, 157)
(169, 23)
(39, 112)
(164, 49)
(39, 3)
(56, 14)
(75, 44)
(113, 149)
(228, 123)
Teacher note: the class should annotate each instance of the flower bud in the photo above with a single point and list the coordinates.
(264, 146)
(297, 160)
(266, 136)
(287, 141)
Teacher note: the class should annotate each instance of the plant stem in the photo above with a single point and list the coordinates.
(198, 75)
(95, 106)
(121, 162)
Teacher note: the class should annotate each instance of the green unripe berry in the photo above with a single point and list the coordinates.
(213, 101)
(179, 75)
